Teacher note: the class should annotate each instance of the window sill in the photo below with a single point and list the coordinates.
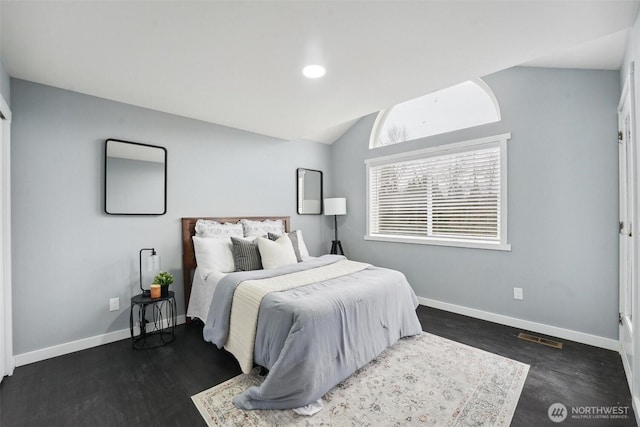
(440, 242)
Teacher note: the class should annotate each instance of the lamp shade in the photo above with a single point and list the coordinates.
(153, 263)
(336, 206)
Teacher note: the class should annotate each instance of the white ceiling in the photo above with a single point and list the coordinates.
(604, 53)
(239, 63)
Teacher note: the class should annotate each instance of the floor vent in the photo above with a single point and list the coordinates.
(540, 340)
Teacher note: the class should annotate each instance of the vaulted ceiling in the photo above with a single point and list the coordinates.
(238, 63)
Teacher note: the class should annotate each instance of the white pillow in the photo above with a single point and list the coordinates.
(276, 253)
(297, 241)
(210, 228)
(214, 254)
(261, 228)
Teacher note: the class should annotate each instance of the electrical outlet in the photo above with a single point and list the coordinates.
(114, 304)
(517, 293)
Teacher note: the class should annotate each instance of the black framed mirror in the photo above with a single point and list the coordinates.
(135, 181)
(309, 191)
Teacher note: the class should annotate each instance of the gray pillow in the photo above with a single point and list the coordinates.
(293, 236)
(246, 255)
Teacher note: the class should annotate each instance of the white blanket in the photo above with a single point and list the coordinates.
(249, 294)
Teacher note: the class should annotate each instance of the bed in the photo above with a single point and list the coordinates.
(311, 322)
(192, 280)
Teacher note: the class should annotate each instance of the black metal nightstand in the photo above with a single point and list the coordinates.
(163, 321)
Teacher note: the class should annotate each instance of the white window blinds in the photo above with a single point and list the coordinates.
(450, 193)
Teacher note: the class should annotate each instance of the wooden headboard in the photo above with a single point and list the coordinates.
(188, 254)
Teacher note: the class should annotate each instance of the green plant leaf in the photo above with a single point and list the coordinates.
(163, 279)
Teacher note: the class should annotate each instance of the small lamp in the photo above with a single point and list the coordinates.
(335, 207)
(153, 266)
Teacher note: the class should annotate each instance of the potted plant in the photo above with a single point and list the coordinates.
(164, 279)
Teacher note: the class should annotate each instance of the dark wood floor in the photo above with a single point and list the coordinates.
(113, 385)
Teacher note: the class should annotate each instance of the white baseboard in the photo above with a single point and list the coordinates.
(581, 337)
(83, 344)
(541, 328)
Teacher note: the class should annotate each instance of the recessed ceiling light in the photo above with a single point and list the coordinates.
(313, 71)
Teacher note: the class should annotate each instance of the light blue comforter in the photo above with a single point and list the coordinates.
(313, 337)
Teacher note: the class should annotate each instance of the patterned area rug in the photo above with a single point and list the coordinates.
(419, 380)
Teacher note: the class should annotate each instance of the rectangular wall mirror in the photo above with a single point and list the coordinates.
(309, 189)
(135, 181)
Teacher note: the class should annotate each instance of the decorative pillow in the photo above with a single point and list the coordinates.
(246, 255)
(210, 228)
(261, 228)
(276, 253)
(297, 241)
(214, 254)
(293, 236)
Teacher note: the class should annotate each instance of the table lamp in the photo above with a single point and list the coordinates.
(335, 207)
(152, 263)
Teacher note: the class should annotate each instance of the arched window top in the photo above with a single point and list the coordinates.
(462, 106)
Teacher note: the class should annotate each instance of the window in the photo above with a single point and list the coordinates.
(452, 195)
(462, 106)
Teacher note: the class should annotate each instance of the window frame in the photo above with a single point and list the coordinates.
(441, 150)
(384, 114)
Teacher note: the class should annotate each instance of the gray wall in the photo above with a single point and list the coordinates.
(562, 205)
(69, 257)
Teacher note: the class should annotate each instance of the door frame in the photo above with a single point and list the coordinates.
(7, 360)
(632, 368)
(627, 217)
